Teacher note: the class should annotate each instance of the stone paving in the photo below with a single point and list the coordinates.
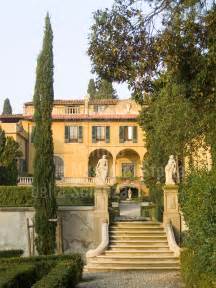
(131, 280)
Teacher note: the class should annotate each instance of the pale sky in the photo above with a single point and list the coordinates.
(21, 32)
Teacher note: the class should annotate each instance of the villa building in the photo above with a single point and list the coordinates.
(83, 131)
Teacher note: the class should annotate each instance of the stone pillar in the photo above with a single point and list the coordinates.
(101, 213)
(171, 209)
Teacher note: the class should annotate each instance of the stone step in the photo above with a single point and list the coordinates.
(149, 226)
(136, 222)
(138, 247)
(135, 258)
(131, 268)
(137, 232)
(135, 228)
(138, 239)
(135, 263)
(133, 253)
(139, 243)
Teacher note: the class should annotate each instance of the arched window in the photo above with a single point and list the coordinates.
(59, 167)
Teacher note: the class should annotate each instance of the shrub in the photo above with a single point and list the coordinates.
(19, 196)
(198, 204)
(22, 276)
(64, 275)
(11, 253)
(192, 276)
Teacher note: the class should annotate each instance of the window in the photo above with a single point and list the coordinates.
(100, 133)
(59, 167)
(128, 133)
(73, 134)
(128, 170)
(98, 108)
(72, 110)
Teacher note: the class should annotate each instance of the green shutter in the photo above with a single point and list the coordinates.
(80, 134)
(134, 134)
(121, 134)
(107, 134)
(94, 134)
(66, 134)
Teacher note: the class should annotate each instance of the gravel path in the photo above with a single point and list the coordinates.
(131, 280)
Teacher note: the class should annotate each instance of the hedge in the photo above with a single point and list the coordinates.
(191, 274)
(23, 276)
(198, 204)
(19, 196)
(26, 271)
(11, 253)
(63, 275)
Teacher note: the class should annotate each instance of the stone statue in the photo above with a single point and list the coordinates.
(129, 194)
(170, 171)
(102, 171)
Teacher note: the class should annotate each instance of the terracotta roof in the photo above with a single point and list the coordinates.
(81, 102)
(92, 117)
(11, 118)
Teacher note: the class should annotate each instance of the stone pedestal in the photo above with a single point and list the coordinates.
(171, 209)
(101, 213)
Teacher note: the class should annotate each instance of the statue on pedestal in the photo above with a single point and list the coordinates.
(170, 171)
(102, 171)
(129, 194)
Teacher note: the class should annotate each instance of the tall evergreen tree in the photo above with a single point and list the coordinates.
(9, 152)
(105, 90)
(91, 89)
(7, 109)
(44, 169)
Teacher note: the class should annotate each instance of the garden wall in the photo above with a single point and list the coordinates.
(77, 228)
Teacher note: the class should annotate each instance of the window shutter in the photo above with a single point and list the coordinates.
(94, 134)
(134, 134)
(107, 134)
(67, 134)
(80, 134)
(121, 134)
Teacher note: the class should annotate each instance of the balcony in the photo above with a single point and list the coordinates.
(68, 181)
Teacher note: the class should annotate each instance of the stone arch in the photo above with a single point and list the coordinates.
(94, 156)
(128, 164)
(59, 167)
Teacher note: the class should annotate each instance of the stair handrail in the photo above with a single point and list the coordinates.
(171, 239)
(104, 242)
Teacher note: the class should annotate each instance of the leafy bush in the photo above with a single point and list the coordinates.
(192, 276)
(65, 274)
(198, 204)
(11, 253)
(22, 276)
(19, 196)
(24, 272)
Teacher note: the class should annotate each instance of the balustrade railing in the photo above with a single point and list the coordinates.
(22, 181)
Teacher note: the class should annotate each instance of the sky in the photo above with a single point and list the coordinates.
(21, 34)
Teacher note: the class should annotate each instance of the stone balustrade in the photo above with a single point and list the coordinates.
(88, 181)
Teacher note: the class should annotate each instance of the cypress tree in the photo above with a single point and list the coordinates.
(7, 109)
(91, 89)
(106, 90)
(44, 169)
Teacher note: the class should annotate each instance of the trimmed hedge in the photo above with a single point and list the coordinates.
(23, 276)
(18, 196)
(198, 204)
(11, 253)
(63, 275)
(26, 271)
(192, 275)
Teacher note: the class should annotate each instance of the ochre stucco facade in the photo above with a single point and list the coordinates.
(84, 130)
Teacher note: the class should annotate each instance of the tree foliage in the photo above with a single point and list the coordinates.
(91, 89)
(44, 169)
(9, 152)
(7, 109)
(102, 89)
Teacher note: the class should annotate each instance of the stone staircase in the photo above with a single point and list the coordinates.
(135, 245)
